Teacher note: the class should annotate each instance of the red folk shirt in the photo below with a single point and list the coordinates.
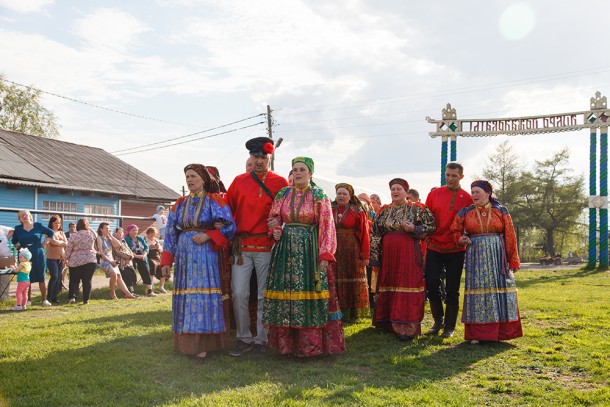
(251, 206)
(444, 204)
(354, 218)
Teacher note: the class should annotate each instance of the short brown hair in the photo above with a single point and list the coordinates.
(454, 165)
(151, 230)
(82, 224)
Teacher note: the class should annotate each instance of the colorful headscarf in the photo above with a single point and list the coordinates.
(486, 186)
(216, 177)
(208, 184)
(305, 160)
(132, 226)
(353, 199)
(401, 182)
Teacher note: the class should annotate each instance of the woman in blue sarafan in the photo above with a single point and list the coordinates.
(199, 314)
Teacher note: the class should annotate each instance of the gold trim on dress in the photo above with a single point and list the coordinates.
(401, 289)
(198, 291)
(474, 291)
(293, 296)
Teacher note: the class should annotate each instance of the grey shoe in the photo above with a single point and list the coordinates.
(240, 348)
(151, 294)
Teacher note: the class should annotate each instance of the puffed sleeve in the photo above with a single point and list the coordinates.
(221, 212)
(457, 227)
(327, 234)
(424, 222)
(377, 233)
(510, 240)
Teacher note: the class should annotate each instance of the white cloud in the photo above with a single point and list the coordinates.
(26, 6)
(110, 28)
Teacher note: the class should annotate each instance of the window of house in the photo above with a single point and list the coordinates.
(59, 208)
(99, 209)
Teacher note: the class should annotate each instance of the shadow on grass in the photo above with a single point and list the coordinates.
(143, 370)
(557, 276)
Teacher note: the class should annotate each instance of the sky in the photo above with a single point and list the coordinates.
(350, 83)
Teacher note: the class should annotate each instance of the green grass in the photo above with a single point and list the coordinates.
(120, 353)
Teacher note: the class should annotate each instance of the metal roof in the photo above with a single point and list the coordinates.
(43, 162)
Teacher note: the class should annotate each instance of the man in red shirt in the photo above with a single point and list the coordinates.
(443, 253)
(250, 197)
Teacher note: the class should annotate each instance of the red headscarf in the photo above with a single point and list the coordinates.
(401, 182)
(208, 183)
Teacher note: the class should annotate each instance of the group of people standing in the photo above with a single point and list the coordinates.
(54, 251)
(310, 257)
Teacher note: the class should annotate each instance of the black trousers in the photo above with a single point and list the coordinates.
(142, 267)
(129, 276)
(453, 263)
(82, 273)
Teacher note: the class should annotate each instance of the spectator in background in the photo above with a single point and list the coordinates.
(55, 251)
(23, 279)
(249, 164)
(105, 243)
(376, 202)
(32, 235)
(139, 247)
(161, 220)
(80, 256)
(291, 177)
(71, 229)
(5, 234)
(124, 256)
(413, 195)
(154, 258)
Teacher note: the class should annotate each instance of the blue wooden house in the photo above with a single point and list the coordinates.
(50, 175)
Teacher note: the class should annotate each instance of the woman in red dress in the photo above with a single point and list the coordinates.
(353, 253)
(396, 253)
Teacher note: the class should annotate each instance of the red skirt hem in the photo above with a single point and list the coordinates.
(497, 331)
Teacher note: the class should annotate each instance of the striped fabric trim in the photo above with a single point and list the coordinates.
(351, 280)
(256, 247)
(479, 291)
(305, 295)
(401, 289)
(199, 291)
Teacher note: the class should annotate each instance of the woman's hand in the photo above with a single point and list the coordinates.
(201, 238)
(114, 263)
(464, 240)
(272, 223)
(409, 227)
(324, 264)
(364, 262)
(277, 233)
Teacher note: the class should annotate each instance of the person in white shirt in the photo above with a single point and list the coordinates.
(161, 220)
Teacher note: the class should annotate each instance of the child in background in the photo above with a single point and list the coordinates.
(154, 258)
(23, 279)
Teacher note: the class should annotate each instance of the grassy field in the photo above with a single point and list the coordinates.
(120, 353)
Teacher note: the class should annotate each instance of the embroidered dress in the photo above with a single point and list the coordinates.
(301, 307)
(397, 254)
(490, 311)
(353, 245)
(199, 315)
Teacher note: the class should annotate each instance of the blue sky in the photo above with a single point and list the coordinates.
(350, 82)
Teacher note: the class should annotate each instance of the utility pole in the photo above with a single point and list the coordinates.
(270, 131)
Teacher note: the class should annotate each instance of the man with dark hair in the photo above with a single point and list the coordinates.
(443, 253)
(413, 195)
(250, 197)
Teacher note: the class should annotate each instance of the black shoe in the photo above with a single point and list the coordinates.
(405, 338)
(447, 333)
(435, 329)
(240, 348)
(258, 350)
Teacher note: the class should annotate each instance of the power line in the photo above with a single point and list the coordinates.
(118, 152)
(97, 106)
(466, 89)
(199, 138)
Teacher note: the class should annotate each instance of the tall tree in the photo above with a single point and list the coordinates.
(503, 170)
(551, 198)
(20, 110)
